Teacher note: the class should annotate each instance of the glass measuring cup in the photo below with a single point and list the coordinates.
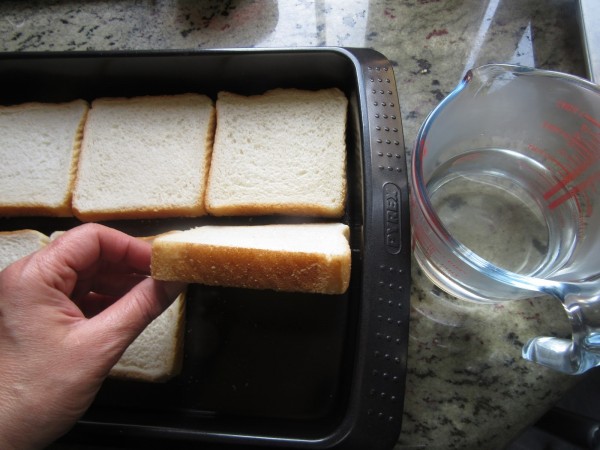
(505, 200)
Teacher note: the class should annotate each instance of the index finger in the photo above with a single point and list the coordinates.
(86, 244)
(81, 249)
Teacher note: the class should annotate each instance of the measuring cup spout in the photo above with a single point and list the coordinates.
(582, 352)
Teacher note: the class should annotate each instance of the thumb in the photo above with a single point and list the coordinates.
(115, 328)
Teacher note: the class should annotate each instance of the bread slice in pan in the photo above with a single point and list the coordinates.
(39, 147)
(144, 157)
(282, 152)
(157, 353)
(15, 245)
(312, 258)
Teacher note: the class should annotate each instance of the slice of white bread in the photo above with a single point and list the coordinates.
(282, 152)
(156, 355)
(39, 147)
(144, 157)
(311, 258)
(15, 245)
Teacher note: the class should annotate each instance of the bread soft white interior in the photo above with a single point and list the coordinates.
(144, 157)
(156, 354)
(15, 245)
(282, 152)
(39, 146)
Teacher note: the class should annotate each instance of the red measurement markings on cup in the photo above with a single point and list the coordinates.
(433, 250)
(582, 153)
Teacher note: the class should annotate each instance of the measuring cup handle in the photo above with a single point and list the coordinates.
(559, 354)
(582, 352)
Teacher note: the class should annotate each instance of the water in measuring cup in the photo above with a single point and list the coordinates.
(491, 201)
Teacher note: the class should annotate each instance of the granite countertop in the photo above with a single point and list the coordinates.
(467, 385)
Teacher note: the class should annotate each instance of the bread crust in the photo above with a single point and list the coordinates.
(25, 231)
(138, 213)
(251, 268)
(260, 209)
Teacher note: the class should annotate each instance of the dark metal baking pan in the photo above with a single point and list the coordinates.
(263, 368)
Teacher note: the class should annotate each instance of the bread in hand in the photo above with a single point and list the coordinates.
(282, 152)
(312, 258)
(39, 147)
(144, 157)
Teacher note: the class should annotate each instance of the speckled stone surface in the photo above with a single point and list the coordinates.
(467, 385)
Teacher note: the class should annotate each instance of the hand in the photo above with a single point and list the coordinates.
(67, 314)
